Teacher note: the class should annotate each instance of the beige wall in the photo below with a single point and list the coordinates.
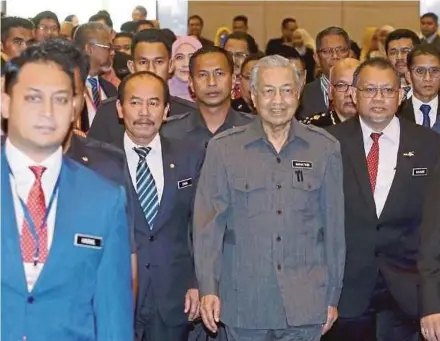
(265, 16)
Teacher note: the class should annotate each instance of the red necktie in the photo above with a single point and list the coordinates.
(37, 209)
(373, 160)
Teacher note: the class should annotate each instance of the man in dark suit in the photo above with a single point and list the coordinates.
(424, 72)
(151, 51)
(387, 164)
(429, 264)
(429, 29)
(195, 28)
(165, 173)
(94, 39)
(332, 45)
(288, 26)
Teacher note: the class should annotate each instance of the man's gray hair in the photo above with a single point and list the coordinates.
(86, 32)
(272, 62)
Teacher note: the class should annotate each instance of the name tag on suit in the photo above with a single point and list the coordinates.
(83, 240)
(184, 183)
(420, 172)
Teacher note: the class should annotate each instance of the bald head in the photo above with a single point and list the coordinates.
(341, 78)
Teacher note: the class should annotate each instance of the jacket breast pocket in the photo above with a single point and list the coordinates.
(305, 192)
(250, 195)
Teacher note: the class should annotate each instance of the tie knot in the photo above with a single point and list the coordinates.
(425, 109)
(38, 171)
(375, 137)
(142, 152)
(93, 82)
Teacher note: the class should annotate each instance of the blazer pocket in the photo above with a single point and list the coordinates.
(251, 195)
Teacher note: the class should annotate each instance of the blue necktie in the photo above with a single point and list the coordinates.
(425, 109)
(95, 91)
(146, 187)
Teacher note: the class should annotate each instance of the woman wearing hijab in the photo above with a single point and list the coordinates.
(182, 50)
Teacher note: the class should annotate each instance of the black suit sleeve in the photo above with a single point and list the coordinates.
(429, 260)
(106, 126)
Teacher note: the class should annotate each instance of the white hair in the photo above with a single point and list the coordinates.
(273, 62)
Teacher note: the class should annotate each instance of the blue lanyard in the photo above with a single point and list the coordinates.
(29, 220)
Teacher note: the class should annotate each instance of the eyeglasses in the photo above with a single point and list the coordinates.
(340, 51)
(421, 71)
(403, 51)
(48, 28)
(19, 42)
(371, 92)
(109, 48)
(341, 87)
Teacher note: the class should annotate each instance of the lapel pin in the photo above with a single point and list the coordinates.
(172, 165)
(409, 154)
(85, 158)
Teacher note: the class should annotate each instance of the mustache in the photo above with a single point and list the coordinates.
(143, 121)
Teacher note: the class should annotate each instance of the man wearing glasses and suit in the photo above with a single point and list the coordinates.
(94, 39)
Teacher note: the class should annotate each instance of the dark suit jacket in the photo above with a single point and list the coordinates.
(436, 42)
(273, 46)
(388, 244)
(109, 90)
(109, 162)
(312, 100)
(108, 127)
(406, 110)
(429, 260)
(164, 254)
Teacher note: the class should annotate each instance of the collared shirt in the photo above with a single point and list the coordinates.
(91, 110)
(154, 161)
(21, 184)
(192, 126)
(418, 115)
(388, 150)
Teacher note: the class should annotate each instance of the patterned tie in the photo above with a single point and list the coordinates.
(425, 109)
(95, 91)
(146, 187)
(406, 90)
(373, 160)
(37, 208)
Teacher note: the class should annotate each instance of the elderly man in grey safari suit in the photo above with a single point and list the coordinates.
(269, 238)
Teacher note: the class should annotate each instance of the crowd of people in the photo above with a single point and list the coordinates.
(170, 188)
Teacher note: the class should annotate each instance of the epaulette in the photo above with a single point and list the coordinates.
(321, 132)
(176, 117)
(247, 115)
(229, 132)
(185, 102)
(310, 119)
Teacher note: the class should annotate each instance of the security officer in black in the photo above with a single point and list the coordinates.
(341, 103)
(211, 79)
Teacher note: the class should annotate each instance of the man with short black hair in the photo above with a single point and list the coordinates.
(122, 42)
(15, 34)
(139, 13)
(240, 24)
(103, 19)
(47, 25)
(288, 26)
(195, 28)
(151, 51)
(144, 25)
(429, 29)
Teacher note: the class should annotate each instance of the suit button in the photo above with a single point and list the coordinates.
(278, 239)
(278, 160)
(30, 300)
(206, 144)
(278, 186)
(279, 266)
(151, 238)
(279, 212)
(147, 266)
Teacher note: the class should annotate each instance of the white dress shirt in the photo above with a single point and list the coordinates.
(418, 113)
(388, 150)
(154, 161)
(91, 111)
(21, 183)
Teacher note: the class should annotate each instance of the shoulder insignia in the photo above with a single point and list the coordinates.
(317, 116)
(229, 132)
(176, 117)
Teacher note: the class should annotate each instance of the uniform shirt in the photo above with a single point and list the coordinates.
(193, 127)
(21, 184)
(154, 161)
(418, 115)
(91, 110)
(388, 149)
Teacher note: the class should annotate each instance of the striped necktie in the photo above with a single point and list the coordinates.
(146, 186)
(95, 91)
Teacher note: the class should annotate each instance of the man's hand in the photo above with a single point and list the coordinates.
(192, 304)
(332, 316)
(430, 326)
(210, 311)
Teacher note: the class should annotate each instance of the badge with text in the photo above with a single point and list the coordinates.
(420, 172)
(184, 183)
(88, 241)
(302, 164)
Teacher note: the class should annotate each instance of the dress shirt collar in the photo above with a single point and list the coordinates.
(155, 145)
(417, 103)
(391, 131)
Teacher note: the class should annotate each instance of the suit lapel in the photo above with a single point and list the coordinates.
(170, 183)
(407, 110)
(395, 199)
(359, 162)
(64, 223)
(436, 126)
(11, 260)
